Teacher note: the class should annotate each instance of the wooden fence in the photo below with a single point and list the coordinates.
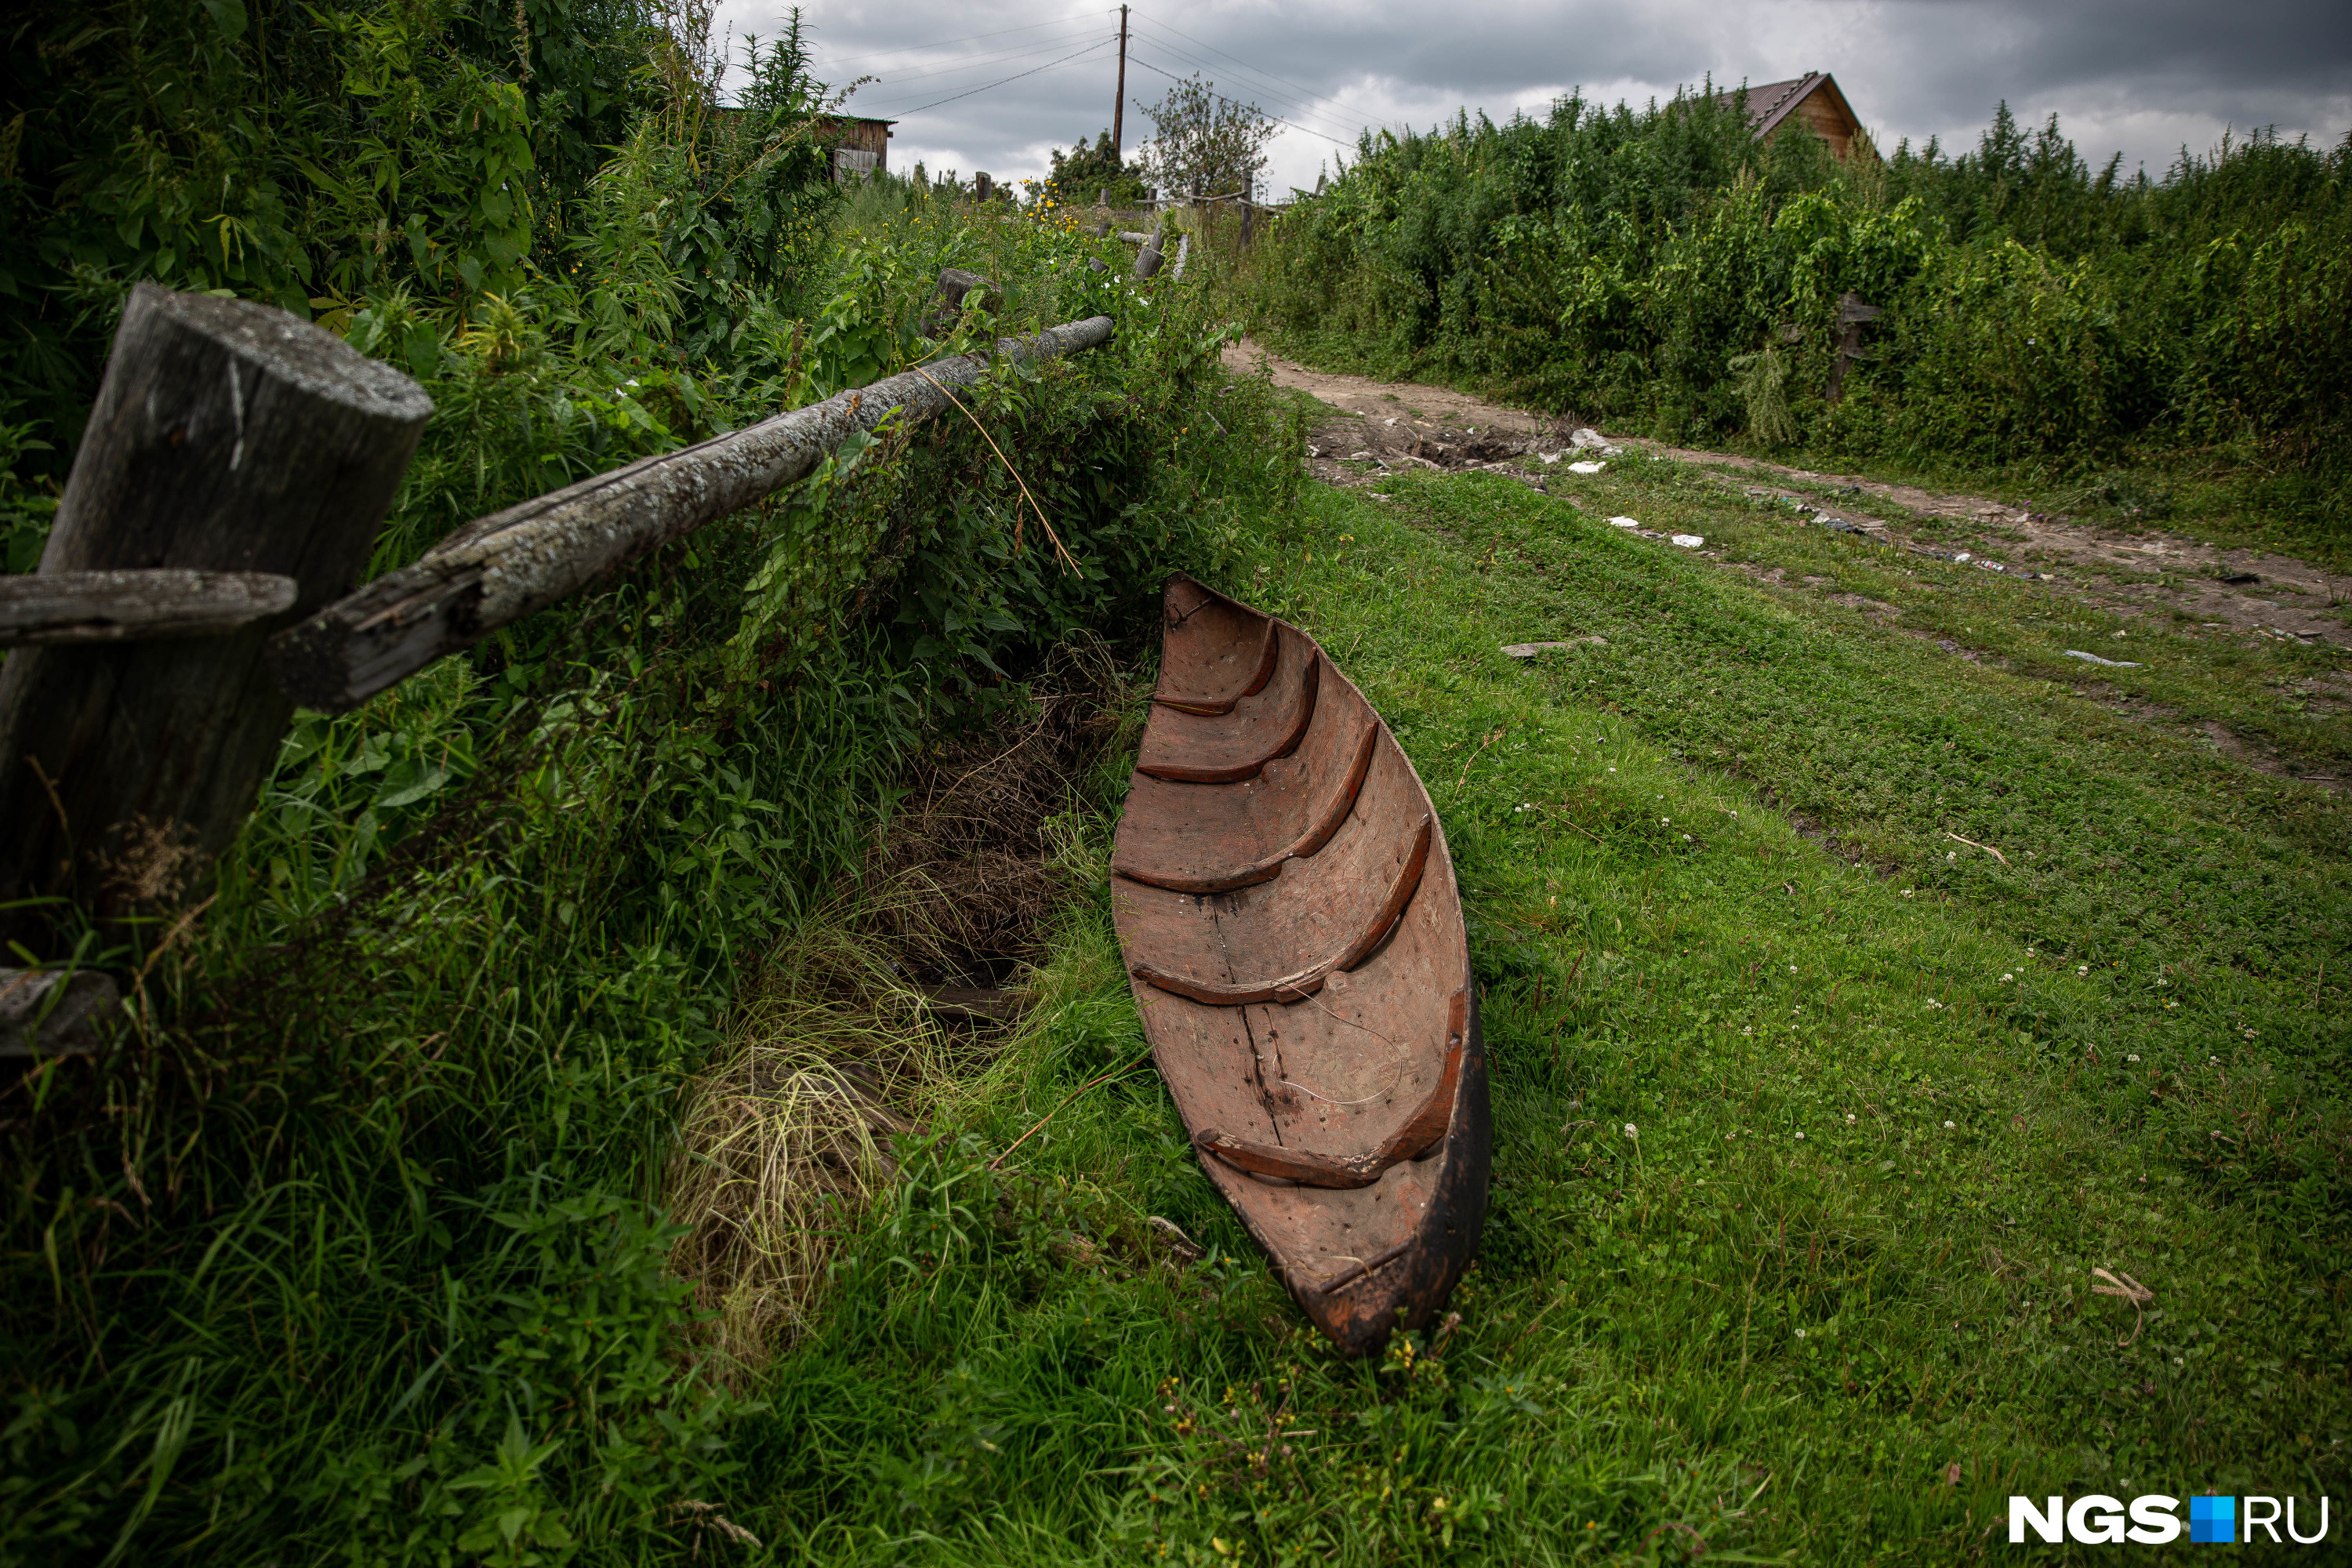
(197, 586)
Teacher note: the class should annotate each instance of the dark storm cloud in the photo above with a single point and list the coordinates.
(2144, 78)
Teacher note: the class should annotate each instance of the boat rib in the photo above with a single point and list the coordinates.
(1194, 840)
(1204, 668)
(1262, 725)
(1294, 936)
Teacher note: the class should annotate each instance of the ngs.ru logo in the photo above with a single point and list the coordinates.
(2152, 1521)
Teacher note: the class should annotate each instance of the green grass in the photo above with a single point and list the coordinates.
(1893, 1101)
(356, 1261)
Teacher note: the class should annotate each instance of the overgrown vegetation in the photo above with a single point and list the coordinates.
(544, 1145)
(1088, 176)
(356, 1250)
(2042, 316)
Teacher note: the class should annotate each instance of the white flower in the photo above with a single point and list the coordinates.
(1612, 769)
(1801, 1333)
(2082, 969)
(1628, 1131)
(1906, 892)
(2029, 952)
(1748, 1029)
(2008, 977)
(1947, 1124)
(1686, 837)
(2133, 1057)
(1951, 854)
(2161, 981)
(1849, 1118)
(1792, 969)
(1800, 1137)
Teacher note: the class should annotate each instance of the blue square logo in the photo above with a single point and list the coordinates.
(2213, 1518)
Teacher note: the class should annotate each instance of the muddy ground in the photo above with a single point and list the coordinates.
(1377, 427)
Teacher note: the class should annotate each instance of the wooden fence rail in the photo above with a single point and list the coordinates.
(498, 569)
(136, 606)
(197, 583)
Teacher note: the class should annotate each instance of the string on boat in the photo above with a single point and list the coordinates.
(1394, 1079)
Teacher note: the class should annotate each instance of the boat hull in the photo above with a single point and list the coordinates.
(1293, 931)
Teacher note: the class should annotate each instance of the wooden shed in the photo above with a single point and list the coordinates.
(1813, 98)
(860, 147)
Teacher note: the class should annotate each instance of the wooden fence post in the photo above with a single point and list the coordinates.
(1853, 311)
(227, 436)
(1147, 260)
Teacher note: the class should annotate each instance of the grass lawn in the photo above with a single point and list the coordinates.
(1814, 1116)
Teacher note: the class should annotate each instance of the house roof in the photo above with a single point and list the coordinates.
(1773, 101)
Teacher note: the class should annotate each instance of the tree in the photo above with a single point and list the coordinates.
(1208, 145)
(1085, 172)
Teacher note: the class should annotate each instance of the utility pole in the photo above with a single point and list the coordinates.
(1118, 104)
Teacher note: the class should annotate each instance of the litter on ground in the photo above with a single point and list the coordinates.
(1529, 649)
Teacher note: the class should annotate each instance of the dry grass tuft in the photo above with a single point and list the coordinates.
(785, 1140)
(835, 1052)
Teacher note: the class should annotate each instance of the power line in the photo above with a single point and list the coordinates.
(973, 38)
(1303, 110)
(1269, 75)
(1278, 120)
(1261, 81)
(1049, 65)
(977, 62)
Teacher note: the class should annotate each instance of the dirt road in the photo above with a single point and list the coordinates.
(1380, 425)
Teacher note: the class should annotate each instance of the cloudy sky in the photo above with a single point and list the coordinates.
(994, 84)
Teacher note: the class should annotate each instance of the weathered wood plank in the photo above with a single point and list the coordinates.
(227, 436)
(498, 569)
(136, 606)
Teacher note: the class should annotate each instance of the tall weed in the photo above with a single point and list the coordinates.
(1634, 266)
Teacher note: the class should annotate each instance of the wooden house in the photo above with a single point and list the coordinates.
(860, 147)
(1815, 99)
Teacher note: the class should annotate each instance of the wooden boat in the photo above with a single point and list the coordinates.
(1293, 929)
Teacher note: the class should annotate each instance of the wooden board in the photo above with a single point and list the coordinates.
(1293, 931)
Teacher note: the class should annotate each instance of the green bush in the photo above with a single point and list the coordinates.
(1632, 265)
